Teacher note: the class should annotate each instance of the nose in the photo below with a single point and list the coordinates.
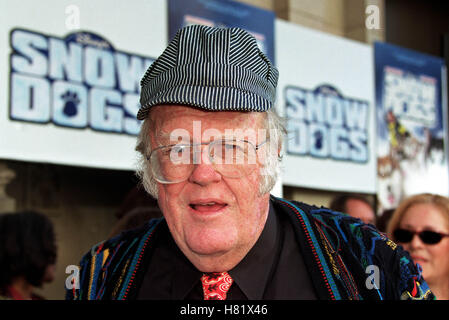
(416, 242)
(204, 172)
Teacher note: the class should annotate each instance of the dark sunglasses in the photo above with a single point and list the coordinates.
(427, 237)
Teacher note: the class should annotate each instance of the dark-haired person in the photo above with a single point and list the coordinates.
(354, 205)
(27, 254)
(421, 225)
(133, 219)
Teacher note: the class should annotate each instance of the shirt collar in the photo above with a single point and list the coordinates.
(253, 272)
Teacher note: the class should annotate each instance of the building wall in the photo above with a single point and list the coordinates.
(421, 27)
(345, 18)
(82, 202)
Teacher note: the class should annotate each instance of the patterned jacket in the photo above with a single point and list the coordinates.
(345, 258)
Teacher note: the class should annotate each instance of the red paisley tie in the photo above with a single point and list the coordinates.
(216, 285)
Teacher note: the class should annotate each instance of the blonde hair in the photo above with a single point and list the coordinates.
(269, 172)
(438, 201)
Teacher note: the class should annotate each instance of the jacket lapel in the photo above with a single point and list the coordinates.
(313, 250)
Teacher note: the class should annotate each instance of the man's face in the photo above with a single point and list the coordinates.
(215, 220)
(359, 209)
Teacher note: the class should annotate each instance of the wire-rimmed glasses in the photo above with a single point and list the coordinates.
(230, 157)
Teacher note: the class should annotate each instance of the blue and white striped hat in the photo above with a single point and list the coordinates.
(216, 69)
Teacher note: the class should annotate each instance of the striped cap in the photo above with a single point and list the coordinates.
(216, 69)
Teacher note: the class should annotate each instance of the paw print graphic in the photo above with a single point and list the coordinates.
(71, 102)
(318, 140)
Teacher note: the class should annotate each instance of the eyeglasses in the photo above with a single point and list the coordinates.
(231, 158)
(427, 237)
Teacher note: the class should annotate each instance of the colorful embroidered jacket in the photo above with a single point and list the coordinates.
(345, 258)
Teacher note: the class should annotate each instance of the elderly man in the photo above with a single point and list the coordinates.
(210, 145)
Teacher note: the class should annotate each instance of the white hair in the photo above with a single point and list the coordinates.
(269, 172)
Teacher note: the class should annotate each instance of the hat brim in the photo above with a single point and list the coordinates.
(207, 98)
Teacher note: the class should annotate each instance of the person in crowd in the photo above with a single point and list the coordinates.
(27, 254)
(137, 197)
(210, 146)
(135, 218)
(383, 219)
(421, 225)
(137, 208)
(356, 206)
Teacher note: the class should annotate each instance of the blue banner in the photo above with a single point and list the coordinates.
(224, 13)
(411, 124)
(79, 81)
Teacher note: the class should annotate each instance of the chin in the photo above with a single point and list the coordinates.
(206, 246)
(209, 258)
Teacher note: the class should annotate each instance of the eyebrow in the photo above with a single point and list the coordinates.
(163, 138)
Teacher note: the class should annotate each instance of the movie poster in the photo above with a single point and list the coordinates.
(411, 125)
(224, 13)
(70, 87)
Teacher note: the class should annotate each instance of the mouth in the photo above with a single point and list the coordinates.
(207, 206)
(418, 259)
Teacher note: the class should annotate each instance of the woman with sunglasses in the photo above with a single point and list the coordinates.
(421, 225)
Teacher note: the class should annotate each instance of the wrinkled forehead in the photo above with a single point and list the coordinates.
(169, 121)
